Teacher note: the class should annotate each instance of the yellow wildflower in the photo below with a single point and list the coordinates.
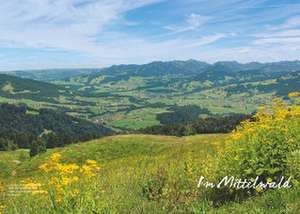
(67, 168)
(69, 180)
(45, 167)
(55, 157)
(90, 168)
(237, 135)
(294, 94)
(91, 162)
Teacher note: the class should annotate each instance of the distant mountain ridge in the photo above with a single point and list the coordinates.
(195, 65)
(51, 74)
(223, 72)
(158, 68)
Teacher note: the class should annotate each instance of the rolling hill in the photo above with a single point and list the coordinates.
(133, 96)
(20, 88)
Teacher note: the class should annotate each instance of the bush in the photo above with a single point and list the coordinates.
(153, 189)
(38, 146)
(265, 147)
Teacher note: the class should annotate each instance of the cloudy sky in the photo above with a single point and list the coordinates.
(97, 33)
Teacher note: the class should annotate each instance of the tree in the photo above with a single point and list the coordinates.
(38, 146)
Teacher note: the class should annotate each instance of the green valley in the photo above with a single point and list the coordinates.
(119, 95)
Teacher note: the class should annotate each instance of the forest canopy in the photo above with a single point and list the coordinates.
(21, 125)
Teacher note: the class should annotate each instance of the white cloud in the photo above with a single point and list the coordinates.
(193, 21)
(60, 23)
(206, 40)
(290, 23)
(72, 25)
(281, 37)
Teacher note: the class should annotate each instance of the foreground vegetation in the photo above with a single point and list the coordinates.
(128, 165)
(160, 174)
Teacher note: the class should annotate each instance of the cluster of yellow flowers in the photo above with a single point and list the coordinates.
(64, 177)
(89, 169)
(261, 146)
(267, 117)
(294, 94)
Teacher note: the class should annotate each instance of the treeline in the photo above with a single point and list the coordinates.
(211, 124)
(181, 114)
(21, 126)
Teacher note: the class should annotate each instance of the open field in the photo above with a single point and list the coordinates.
(128, 165)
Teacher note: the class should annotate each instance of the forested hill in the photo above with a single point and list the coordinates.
(193, 68)
(21, 125)
(20, 88)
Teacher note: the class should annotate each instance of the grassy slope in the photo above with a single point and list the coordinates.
(129, 161)
(113, 149)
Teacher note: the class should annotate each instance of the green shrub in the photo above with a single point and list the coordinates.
(153, 189)
(38, 146)
(261, 148)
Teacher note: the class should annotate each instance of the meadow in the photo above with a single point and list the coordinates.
(159, 174)
(127, 163)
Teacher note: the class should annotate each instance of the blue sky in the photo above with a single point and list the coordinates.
(97, 33)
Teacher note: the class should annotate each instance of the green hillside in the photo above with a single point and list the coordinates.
(18, 88)
(128, 165)
(133, 96)
(114, 149)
